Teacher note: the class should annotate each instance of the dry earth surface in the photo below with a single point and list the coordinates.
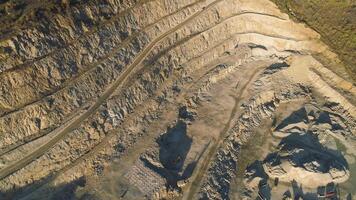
(171, 99)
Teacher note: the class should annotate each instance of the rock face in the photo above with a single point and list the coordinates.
(305, 163)
(155, 97)
(301, 156)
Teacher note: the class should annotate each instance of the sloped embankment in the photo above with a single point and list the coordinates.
(155, 97)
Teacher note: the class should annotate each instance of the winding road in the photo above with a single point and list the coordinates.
(202, 168)
(6, 171)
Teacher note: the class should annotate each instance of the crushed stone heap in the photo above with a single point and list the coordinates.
(98, 98)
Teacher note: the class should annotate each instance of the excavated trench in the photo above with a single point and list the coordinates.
(167, 99)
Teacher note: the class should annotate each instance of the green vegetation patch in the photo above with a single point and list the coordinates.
(334, 20)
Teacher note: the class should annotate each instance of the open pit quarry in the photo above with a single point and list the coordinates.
(171, 99)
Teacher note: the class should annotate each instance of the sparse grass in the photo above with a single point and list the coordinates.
(334, 20)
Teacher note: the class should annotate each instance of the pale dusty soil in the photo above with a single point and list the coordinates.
(159, 99)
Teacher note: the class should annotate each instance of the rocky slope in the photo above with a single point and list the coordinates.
(132, 99)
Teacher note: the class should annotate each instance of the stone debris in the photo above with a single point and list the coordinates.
(145, 179)
(157, 99)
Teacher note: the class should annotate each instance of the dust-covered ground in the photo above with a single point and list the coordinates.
(167, 99)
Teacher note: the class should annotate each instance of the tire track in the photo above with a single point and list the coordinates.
(112, 133)
(265, 14)
(116, 85)
(92, 66)
(126, 42)
(182, 41)
(197, 179)
(222, 20)
(160, 54)
(75, 112)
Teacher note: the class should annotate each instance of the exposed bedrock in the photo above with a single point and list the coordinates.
(157, 97)
(302, 159)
